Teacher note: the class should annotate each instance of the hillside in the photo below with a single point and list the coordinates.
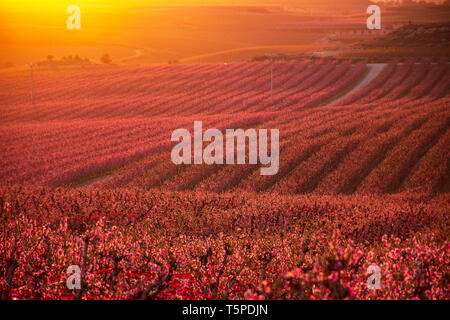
(382, 138)
(435, 35)
(86, 178)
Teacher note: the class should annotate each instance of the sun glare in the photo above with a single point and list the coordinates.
(51, 5)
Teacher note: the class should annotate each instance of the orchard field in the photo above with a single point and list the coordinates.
(86, 178)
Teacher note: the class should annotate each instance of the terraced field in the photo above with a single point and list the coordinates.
(86, 178)
(120, 128)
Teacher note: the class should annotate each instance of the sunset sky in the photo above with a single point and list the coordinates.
(52, 5)
(31, 29)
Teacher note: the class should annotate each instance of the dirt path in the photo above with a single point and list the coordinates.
(138, 53)
(374, 70)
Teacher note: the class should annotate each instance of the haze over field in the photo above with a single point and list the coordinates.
(144, 32)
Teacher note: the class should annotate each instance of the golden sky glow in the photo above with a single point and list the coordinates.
(57, 5)
(52, 5)
(46, 5)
